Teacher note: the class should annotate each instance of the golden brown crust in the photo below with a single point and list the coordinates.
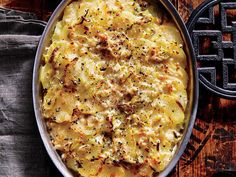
(114, 84)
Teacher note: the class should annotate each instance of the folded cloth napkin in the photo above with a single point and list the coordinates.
(22, 153)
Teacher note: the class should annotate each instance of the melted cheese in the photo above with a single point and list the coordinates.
(114, 83)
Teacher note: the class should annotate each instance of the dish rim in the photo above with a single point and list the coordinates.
(36, 88)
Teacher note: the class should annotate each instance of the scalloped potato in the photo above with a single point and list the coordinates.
(114, 88)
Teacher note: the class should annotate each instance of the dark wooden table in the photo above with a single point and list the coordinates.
(212, 148)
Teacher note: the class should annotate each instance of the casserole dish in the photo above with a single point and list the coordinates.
(192, 89)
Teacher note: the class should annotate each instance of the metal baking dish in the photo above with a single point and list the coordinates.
(192, 89)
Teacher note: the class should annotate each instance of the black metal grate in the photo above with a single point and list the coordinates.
(212, 27)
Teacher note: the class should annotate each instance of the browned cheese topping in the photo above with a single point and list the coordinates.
(114, 88)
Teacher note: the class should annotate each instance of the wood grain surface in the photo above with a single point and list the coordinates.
(212, 148)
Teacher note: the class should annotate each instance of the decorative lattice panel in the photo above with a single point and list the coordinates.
(212, 27)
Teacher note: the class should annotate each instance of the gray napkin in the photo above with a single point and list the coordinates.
(22, 153)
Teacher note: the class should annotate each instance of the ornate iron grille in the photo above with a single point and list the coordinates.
(212, 27)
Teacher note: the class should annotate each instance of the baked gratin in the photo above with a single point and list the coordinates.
(114, 86)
